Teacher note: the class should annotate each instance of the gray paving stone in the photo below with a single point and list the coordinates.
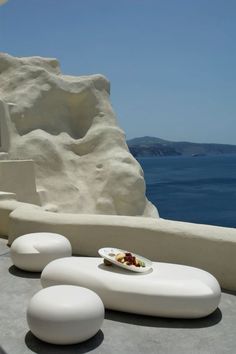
(3, 246)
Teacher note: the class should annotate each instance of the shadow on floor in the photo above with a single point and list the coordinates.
(161, 322)
(2, 351)
(4, 247)
(39, 347)
(3, 237)
(23, 274)
(230, 292)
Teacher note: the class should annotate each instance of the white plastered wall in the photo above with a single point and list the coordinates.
(19, 177)
(4, 137)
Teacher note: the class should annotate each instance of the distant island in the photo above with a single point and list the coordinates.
(150, 146)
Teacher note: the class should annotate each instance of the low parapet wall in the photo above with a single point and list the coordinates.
(8, 203)
(18, 176)
(207, 247)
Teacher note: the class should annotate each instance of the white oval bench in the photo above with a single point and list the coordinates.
(168, 290)
(65, 314)
(32, 252)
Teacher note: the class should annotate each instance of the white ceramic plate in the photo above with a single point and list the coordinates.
(110, 253)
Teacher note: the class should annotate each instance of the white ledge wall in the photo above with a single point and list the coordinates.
(8, 203)
(207, 247)
(19, 177)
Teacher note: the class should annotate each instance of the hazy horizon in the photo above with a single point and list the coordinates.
(176, 141)
(171, 63)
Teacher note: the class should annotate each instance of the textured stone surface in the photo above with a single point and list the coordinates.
(67, 126)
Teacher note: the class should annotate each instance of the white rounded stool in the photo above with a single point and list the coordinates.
(32, 252)
(65, 314)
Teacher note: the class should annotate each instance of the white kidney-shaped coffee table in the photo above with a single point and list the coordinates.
(167, 290)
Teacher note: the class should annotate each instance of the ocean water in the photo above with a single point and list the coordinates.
(194, 189)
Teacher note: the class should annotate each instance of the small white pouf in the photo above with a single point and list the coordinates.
(32, 252)
(65, 314)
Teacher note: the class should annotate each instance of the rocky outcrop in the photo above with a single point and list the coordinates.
(67, 126)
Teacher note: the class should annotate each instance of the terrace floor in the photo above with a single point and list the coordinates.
(120, 333)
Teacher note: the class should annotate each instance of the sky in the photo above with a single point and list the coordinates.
(171, 63)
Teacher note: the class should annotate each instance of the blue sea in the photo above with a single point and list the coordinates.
(194, 189)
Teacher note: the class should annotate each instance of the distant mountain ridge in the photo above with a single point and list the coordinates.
(153, 146)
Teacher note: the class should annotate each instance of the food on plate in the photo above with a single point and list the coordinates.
(120, 257)
(128, 259)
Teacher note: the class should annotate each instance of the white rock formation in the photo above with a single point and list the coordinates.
(67, 126)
